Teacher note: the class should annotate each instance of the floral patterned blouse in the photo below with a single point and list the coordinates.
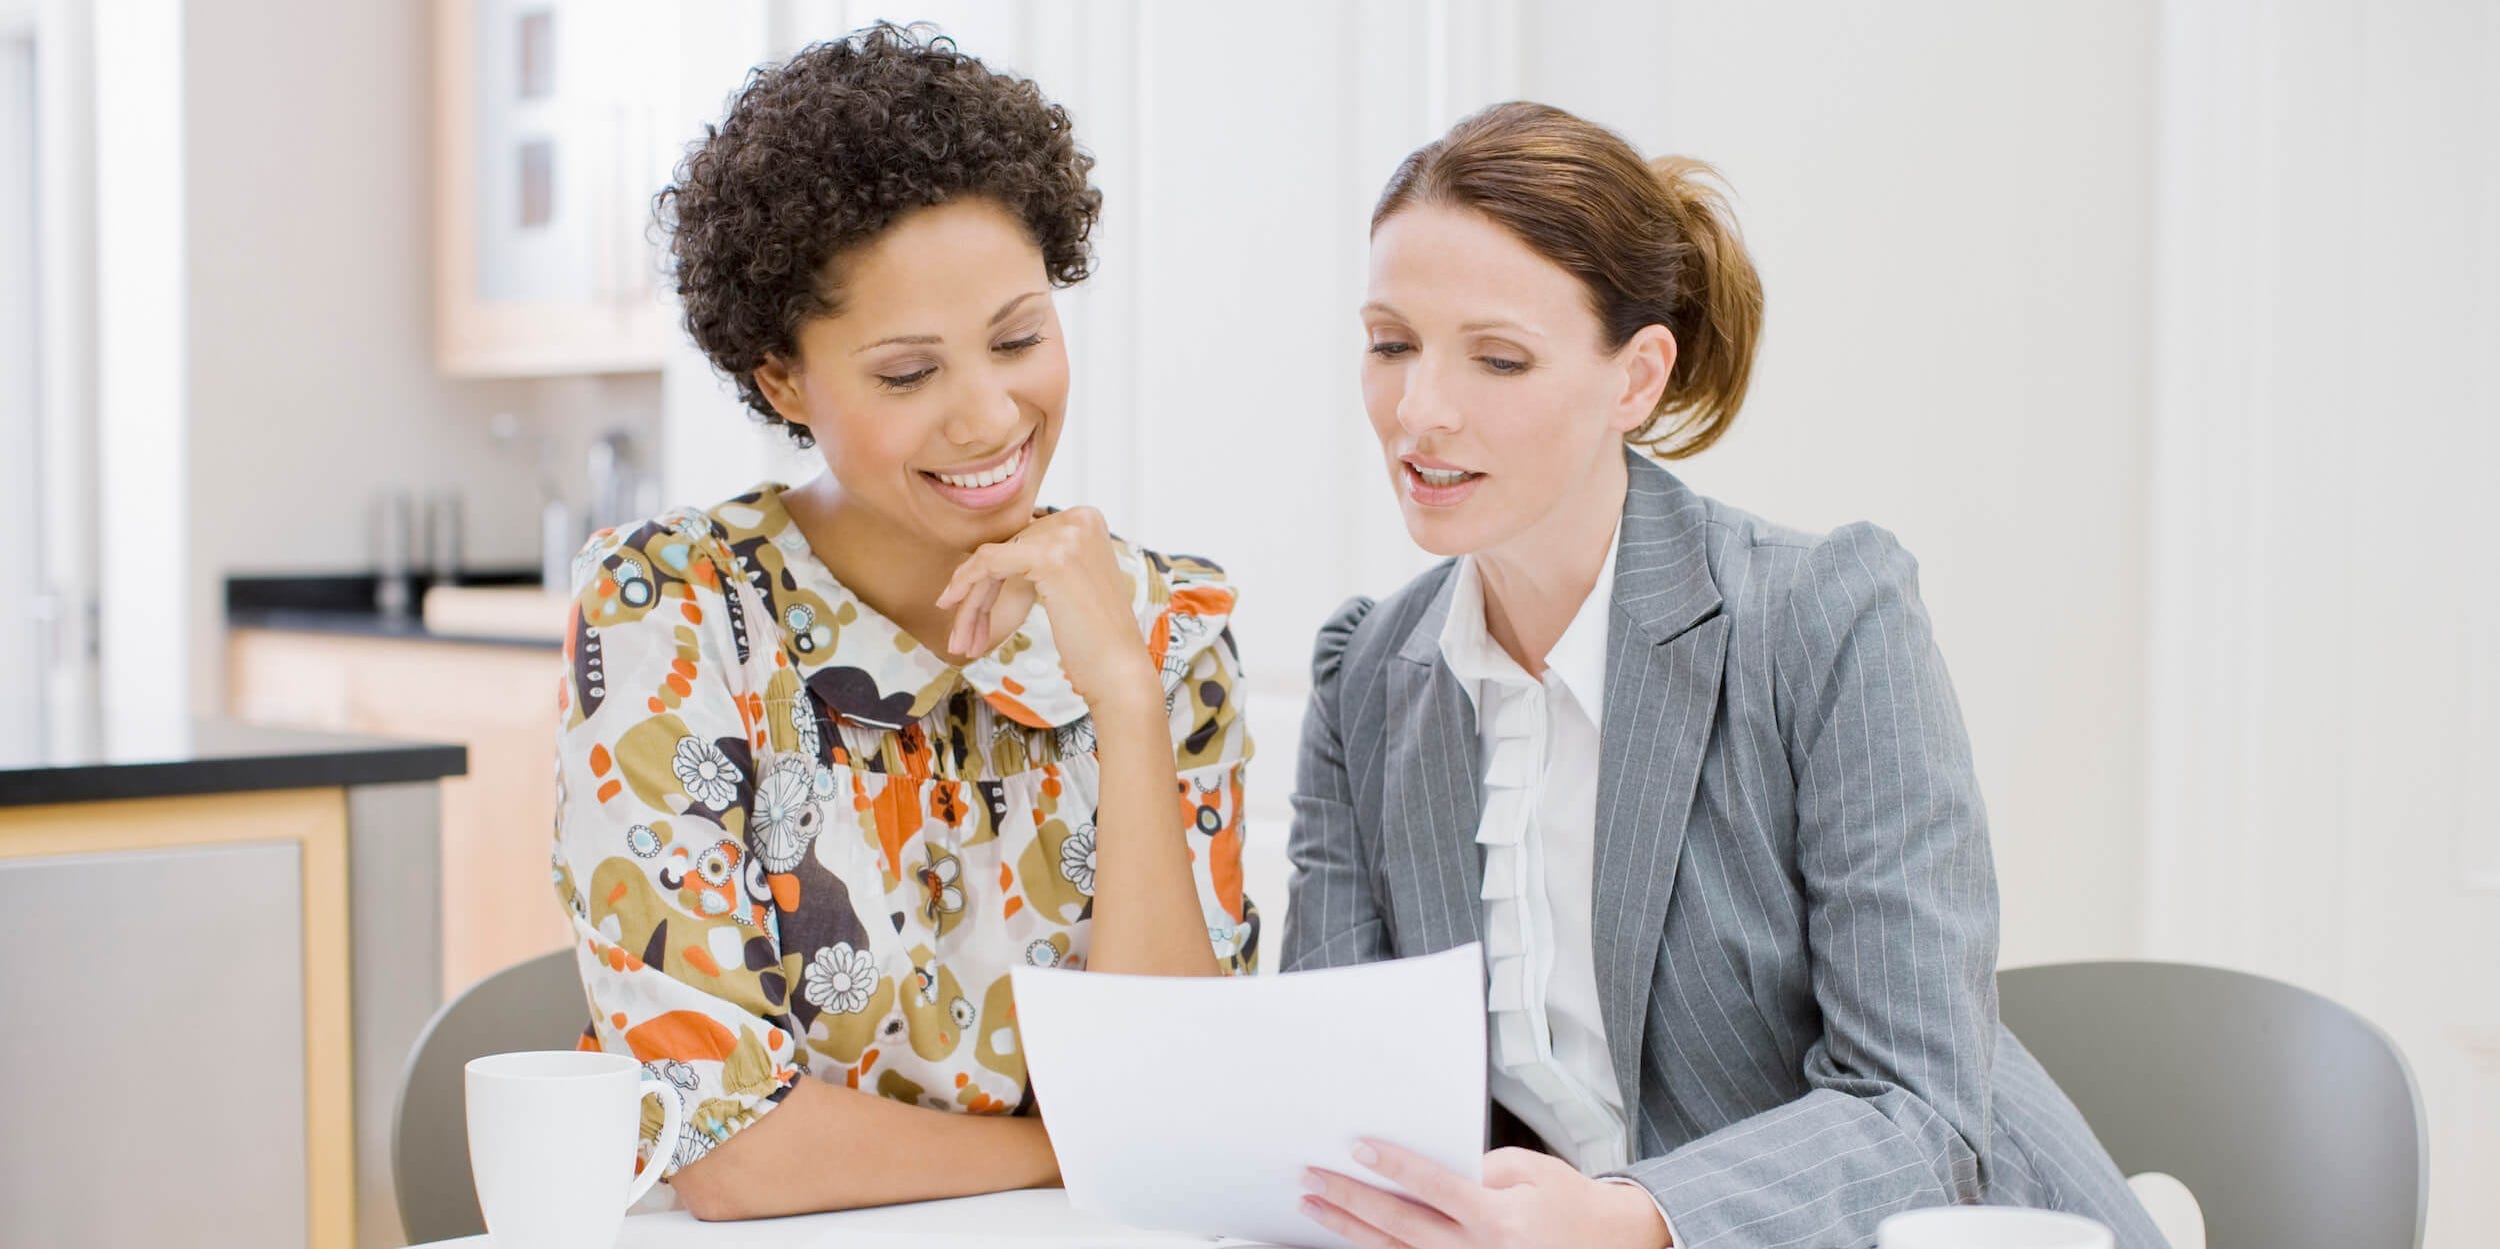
(797, 843)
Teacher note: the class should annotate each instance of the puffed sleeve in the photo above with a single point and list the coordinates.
(673, 922)
(1332, 918)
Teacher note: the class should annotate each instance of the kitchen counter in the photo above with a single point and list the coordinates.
(217, 757)
(369, 624)
(343, 606)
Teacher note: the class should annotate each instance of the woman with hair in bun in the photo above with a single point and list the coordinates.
(1696, 781)
(827, 775)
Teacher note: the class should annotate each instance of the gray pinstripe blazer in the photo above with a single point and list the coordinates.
(1796, 929)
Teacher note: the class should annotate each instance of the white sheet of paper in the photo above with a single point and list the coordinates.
(1195, 1104)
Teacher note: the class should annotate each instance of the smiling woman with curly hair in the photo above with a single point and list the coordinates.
(822, 154)
(837, 756)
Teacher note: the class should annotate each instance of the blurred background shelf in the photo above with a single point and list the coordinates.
(500, 612)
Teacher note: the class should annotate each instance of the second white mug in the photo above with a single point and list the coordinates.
(1990, 1227)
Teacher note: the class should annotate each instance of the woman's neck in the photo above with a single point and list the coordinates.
(896, 573)
(1535, 582)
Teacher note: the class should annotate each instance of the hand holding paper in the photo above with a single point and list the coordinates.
(1197, 1104)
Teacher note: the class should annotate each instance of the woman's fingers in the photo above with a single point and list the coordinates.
(973, 589)
(995, 560)
(1446, 1190)
(1356, 1232)
(1005, 610)
(970, 636)
(960, 583)
(986, 562)
(1403, 1221)
(1066, 559)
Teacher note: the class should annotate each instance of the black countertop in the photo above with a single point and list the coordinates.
(216, 756)
(343, 605)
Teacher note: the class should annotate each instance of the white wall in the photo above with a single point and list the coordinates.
(2325, 603)
(310, 386)
(1951, 207)
(712, 447)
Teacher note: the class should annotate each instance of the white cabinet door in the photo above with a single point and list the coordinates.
(548, 153)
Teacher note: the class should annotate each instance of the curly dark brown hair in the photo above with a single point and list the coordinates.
(821, 153)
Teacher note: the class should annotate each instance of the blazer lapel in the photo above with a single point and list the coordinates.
(1666, 649)
(1428, 833)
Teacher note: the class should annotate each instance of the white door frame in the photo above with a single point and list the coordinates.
(60, 613)
(21, 485)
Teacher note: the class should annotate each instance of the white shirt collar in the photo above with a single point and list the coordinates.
(1578, 657)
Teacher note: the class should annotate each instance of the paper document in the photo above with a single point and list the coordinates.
(1195, 1104)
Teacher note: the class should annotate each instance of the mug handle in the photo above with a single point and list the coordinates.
(672, 1125)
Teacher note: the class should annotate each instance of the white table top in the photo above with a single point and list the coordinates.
(1038, 1219)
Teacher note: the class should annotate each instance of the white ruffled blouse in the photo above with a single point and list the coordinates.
(1539, 741)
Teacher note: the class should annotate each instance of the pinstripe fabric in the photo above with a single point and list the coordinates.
(1796, 908)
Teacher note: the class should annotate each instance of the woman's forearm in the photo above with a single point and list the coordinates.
(832, 1148)
(1147, 916)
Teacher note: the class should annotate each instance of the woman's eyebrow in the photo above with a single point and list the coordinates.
(1472, 327)
(1005, 310)
(1008, 309)
(914, 340)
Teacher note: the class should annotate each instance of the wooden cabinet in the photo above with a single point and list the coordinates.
(498, 905)
(179, 1018)
(548, 148)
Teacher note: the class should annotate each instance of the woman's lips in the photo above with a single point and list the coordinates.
(1430, 484)
(989, 486)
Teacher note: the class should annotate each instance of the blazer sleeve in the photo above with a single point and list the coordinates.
(1901, 925)
(1332, 917)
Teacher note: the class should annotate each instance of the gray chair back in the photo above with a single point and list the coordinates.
(2294, 1120)
(537, 1005)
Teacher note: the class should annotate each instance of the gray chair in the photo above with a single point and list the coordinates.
(537, 1005)
(2293, 1120)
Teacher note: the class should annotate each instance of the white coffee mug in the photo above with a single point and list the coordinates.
(551, 1145)
(1990, 1227)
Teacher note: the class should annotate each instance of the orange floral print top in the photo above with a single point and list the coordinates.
(795, 843)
